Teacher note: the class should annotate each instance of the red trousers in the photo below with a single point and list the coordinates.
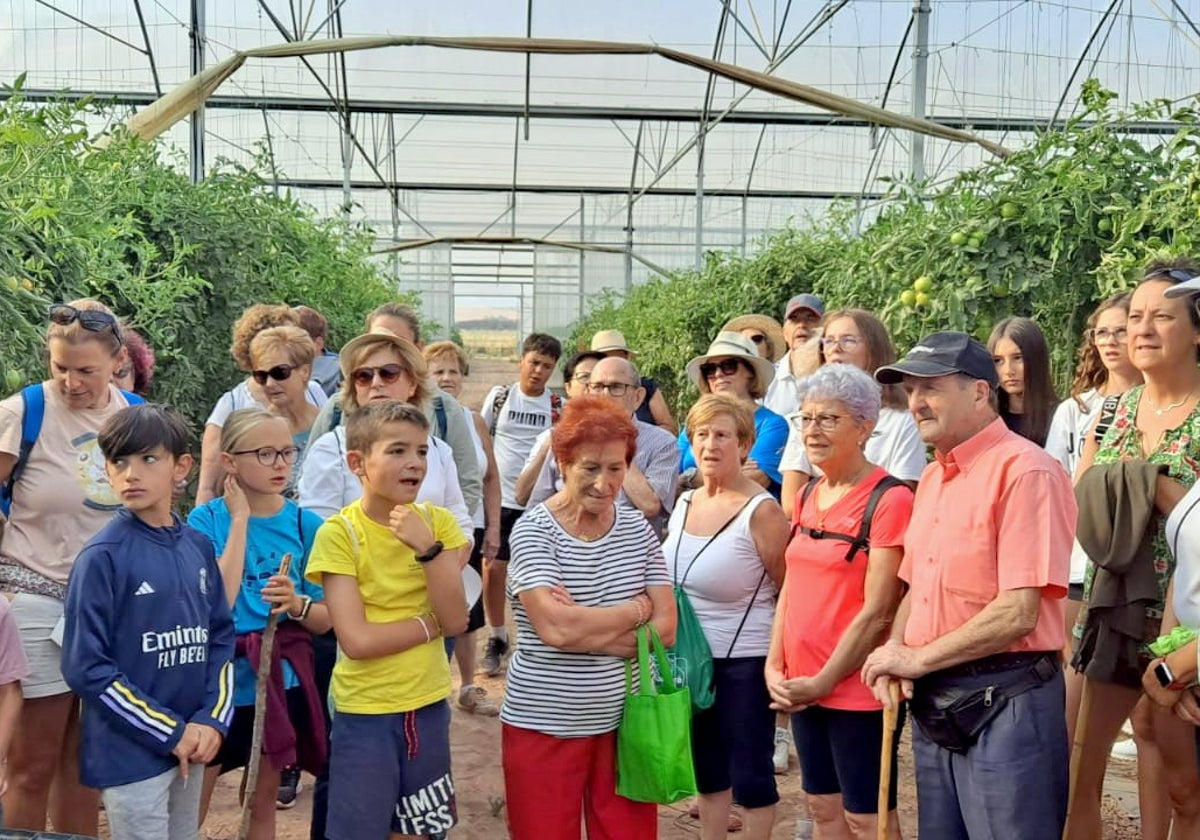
(551, 784)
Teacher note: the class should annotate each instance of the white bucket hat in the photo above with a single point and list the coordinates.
(737, 346)
(607, 341)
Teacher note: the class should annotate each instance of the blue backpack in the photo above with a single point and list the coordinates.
(34, 413)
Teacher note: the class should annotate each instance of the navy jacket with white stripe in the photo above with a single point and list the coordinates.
(148, 644)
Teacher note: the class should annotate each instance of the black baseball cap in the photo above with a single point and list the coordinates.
(941, 354)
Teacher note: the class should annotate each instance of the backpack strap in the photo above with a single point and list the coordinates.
(498, 402)
(33, 413)
(1108, 413)
(861, 541)
(439, 416)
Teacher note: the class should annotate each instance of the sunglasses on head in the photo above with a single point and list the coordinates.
(758, 338)
(727, 366)
(91, 320)
(1179, 275)
(387, 374)
(279, 373)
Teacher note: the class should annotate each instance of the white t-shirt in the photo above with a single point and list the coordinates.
(725, 582)
(522, 418)
(573, 695)
(477, 518)
(239, 397)
(1064, 441)
(327, 485)
(782, 397)
(1183, 537)
(1069, 429)
(895, 445)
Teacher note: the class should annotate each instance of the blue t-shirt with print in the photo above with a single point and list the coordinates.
(268, 538)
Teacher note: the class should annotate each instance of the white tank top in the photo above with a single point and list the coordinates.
(726, 582)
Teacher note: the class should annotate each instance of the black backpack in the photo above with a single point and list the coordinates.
(861, 542)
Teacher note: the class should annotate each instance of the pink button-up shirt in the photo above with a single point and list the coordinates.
(996, 513)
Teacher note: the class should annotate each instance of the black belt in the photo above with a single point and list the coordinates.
(997, 663)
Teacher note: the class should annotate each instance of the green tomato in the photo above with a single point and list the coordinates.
(958, 238)
(922, 300)
(14, 378)
(975, 241)
(12, 283)
(1104, 225)
(908, 297)
(1008, 210)
(923, 284)
(1000, 290)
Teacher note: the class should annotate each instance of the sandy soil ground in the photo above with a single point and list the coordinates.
(476, 752)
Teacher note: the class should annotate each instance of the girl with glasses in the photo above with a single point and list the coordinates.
(249, 393)
(252, 526)
(60, 497)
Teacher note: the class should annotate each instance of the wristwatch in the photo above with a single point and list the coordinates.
(434, 551)
(305, 605)
(1166, 677)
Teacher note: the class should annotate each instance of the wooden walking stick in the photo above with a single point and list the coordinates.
(250, 777)
(890, 716)
(1081, 732)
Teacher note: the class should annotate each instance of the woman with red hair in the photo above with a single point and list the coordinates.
(585, 573)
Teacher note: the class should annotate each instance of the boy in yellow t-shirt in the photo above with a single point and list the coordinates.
(391, 570)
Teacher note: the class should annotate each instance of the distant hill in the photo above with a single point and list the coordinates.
(493, 323)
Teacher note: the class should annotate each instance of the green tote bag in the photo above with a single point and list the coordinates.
(654, 740)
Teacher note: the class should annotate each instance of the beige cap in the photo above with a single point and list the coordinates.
(606, 341)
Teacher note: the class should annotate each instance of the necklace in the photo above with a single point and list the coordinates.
(1159, 412)
(842, 491)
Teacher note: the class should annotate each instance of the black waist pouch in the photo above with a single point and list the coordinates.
(954, 717)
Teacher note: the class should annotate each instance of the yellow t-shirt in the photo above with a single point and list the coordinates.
(392, 585)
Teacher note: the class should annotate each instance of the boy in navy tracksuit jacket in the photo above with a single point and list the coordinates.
(149, 641)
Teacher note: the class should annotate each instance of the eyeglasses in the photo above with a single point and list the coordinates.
(1103, 335)
(845, 342)
(269, 456)
(727, 366)
(279, 373)
(387, 374)
(1179, 275)
(758, 338)
(825, 422)
(91, 320)
(615, 389)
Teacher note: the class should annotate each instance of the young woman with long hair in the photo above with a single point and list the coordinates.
(1026, 393)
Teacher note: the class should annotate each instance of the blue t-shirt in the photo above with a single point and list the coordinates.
(770, 437)
(268, 538)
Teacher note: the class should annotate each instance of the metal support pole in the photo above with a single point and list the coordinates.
(582, 238)
(700, 201)
(197, 38)
(744, 201)
(394, 195)
(637, 148)
(920, 56)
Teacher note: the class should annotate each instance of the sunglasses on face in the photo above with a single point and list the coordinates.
(91, 320)
(387, 374)
(269, 456)
(279, 373)
(726, 366)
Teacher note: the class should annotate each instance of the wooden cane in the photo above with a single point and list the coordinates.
(250, 777)
(890, 715)
(1081, 731)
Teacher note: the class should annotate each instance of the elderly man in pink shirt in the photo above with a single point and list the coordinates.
(976, 642)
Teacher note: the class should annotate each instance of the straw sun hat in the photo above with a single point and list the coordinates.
(766, 325)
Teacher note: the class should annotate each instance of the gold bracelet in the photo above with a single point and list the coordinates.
(437, 625)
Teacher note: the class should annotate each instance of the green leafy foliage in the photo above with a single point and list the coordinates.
(1046, 233)
(177, 261)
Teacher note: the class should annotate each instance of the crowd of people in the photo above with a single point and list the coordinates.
(846, 530)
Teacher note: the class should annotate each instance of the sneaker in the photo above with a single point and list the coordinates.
(474, 699)
(783, 744)
(1124, 750)
(493, 655)
(289, 788)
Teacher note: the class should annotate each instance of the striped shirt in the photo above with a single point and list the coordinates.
(574, 695)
